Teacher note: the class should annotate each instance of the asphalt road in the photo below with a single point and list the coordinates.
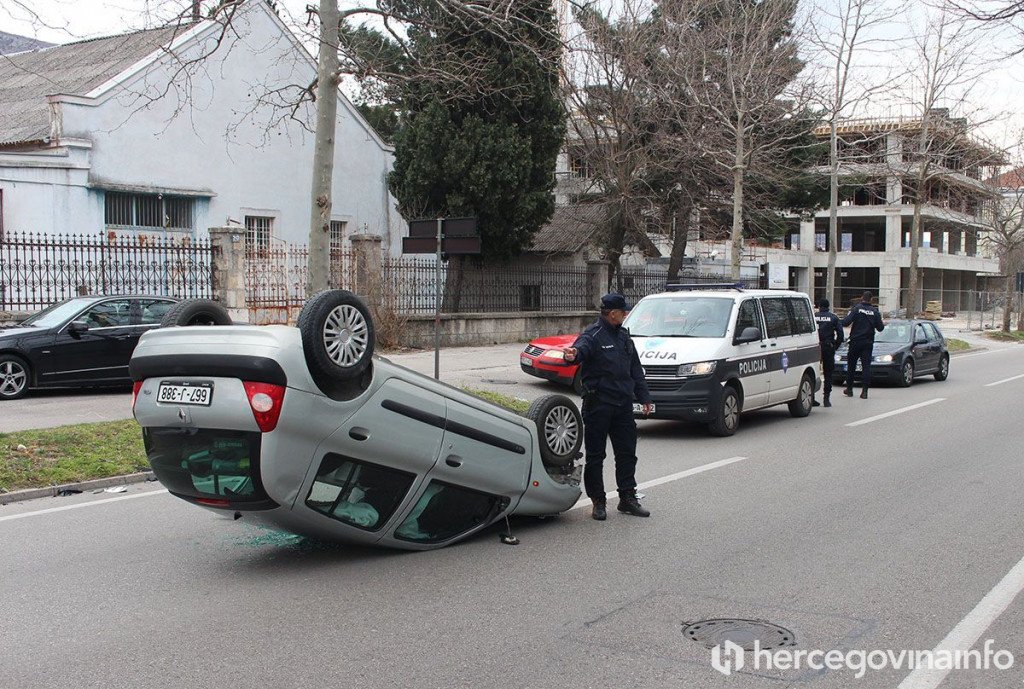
(901, 532)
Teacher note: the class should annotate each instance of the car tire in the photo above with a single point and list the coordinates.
(337, 337)
(15, 376)
(559, 429)
(801, 406)
(728, 418)
(195, 312)
(943, 371)
(907, 373)
(577, 381)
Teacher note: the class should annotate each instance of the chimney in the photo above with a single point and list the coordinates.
(197, 10)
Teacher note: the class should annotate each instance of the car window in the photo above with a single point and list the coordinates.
(895, 331)
(933, 332)
(153, 310)
(803, 319)
(444, 511)
(776, 317)
(919, 333)
(683, 316)
(108, 314)
(748, 317)
(357, 493)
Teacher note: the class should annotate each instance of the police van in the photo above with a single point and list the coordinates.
(711, 352)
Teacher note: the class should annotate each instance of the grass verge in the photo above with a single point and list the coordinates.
(508, 401)
(1012, 336)
(66, 454)
(955, 345)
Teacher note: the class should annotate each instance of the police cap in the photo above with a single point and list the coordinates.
(614, 300)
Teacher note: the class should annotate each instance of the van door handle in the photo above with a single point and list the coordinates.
(453, 461)
(358, 433)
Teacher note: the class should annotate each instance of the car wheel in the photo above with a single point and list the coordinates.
(559, 429)
(14, 377)
(728, 418)
(337, 336)
(801, 406)
(907, 373)
(195, 312)
(577, 381)
(943, 371)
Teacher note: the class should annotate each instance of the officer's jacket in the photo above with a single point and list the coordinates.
(611, 367)
(866, 319)
(830, 330)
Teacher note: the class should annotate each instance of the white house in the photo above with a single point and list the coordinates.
(178, 129)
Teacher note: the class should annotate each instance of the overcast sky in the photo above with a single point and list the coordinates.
(997, 96)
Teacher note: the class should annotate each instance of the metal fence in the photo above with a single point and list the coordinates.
(276, 276)
(37, 270)
(637, 282)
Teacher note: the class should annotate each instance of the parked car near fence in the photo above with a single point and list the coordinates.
(303, 429)
(85, 341)
(904, 350)
(544, 357)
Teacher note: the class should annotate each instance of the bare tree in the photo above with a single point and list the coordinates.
(1007, 13)
(1004, 220)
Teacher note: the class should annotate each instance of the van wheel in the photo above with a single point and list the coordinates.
(801, 406)
(728, 418)
(337, 336)
(195, 312)
(14, 377)
(559, 429)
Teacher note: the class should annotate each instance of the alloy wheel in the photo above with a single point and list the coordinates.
(13, 378)
(345, 335)
(561, 430)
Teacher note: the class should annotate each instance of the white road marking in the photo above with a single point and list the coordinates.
(93, 503)
(672, 477)
(969, 630)
(894, 412)
(958, 357)
(1004, 380)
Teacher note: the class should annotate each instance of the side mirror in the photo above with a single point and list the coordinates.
(76, 328)
(749, 334)
(921, 340)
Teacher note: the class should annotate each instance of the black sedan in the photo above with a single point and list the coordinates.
(904, 350)
(84, 341)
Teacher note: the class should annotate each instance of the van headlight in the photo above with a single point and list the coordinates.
(702, 368)
(883, 358)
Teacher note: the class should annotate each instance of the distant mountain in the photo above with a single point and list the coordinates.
(12, 43)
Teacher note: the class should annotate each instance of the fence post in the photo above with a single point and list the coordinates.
(597, 279)
(227, 270)
(369, 267)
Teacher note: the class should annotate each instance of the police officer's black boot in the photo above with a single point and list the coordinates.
(864, 394)
(828, 402)
(816, 403)
(629, 504)
(600, 511)
(848, 392)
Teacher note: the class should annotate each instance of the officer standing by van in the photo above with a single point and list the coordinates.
(612, 379)
(830, 336)
(865, 319)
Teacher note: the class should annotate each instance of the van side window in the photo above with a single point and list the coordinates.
(748, 317)
(776, 316)
(803, 320)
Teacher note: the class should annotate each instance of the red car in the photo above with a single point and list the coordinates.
(544, 357)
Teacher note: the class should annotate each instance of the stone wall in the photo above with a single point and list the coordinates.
(473, 329)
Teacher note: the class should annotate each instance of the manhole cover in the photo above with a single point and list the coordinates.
(498, 381)
(743, 633)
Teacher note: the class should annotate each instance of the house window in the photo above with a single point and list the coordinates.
(258, 230)
(148, 211)
(338, 234)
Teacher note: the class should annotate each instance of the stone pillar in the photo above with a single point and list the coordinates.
(227, 270)
(369, 267)
(807, 237)
(889, 283)
(893, 230)
(597, 278)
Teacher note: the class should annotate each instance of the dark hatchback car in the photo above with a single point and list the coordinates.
(904, 350)
(83, 341)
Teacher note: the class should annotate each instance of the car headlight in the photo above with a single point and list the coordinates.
(702, 368)
(883, 358)
(554, 354)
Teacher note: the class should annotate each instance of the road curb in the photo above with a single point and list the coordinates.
(972, 350)
(83, 486)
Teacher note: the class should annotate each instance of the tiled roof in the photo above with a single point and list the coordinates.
(1014, 179)
(574, 227)
(71, 69)
(13, 43)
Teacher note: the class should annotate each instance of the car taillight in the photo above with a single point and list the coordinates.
(135, 393)
(265, 400)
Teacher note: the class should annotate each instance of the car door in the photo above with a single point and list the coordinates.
(751, 358)
(926, 348)
(483, 467)
(94, 356)
(797, 349)
(779, 325)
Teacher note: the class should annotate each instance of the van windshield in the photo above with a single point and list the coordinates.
(683, 316)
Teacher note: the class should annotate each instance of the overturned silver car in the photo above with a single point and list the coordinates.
(304, 429)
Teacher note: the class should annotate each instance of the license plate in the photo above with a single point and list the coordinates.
(639, 408)
(526, 361)
(200, 394)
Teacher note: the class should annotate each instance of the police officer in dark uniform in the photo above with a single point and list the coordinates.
(830, 336)
(612, 379)
(865, 319)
